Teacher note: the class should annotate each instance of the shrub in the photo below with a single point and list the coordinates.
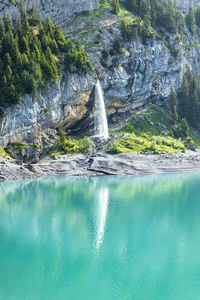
(114, 148)
(86, 145)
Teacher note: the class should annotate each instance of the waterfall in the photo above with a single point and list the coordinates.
(100, 118)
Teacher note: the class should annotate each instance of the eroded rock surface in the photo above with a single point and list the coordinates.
(60, 11)
(143, 74)
(102, 164)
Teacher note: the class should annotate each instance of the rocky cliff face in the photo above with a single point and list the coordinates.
(185, 4)
(142, 74)
(65, 102)
(142, 77)
(60, 11)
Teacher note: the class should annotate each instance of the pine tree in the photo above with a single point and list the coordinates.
(22, 8)
(54, 46)
(34, 19)
(174, 114)
(172, 99)
(25, 46)
(184, 127)
(37, 51)
(115, 4)
(197, 16)
(8, 23)
(184, 99)
(8, 73)
(49, 27)
(27, 57)
(2, 28)
(190, 19)
(7, 60)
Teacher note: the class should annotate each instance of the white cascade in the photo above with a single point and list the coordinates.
(100, 118)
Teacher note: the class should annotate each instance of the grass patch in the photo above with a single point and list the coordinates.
(195, 139)
(96, 12)
(149, 131)
(154, 144)
(3, 153)
(67, 145)
(154, 121)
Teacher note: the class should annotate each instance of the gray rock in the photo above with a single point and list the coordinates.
(59, 11)
(144, 75)
(103, 164)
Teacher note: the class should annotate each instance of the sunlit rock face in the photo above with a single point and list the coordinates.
(185, 4)
(144, 74)
(60, 11)
(70, 102)
(65, 102)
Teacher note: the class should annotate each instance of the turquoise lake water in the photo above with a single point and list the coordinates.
(108, 238)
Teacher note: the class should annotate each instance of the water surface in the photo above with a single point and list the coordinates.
(105, 238)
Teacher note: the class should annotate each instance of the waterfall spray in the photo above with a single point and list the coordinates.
(100, 118)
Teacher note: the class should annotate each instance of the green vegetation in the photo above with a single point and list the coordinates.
(68, 145)
(163, 16)
(153, 121)
(30, 53)
(154, 144)
(19, 146)
(16, 148)
(3, 153)
(190, 19)
(154, 130)
(188, 99)
(115, 4)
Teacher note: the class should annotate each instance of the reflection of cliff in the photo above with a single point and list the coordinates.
(56, 209)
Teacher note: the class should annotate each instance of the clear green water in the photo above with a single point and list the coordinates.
(108, 238)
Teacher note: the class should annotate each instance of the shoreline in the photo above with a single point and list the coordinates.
(102, 164)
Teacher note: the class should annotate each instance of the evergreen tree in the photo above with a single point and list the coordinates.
(8, 23)
(190, 18)
(197, 16)
(22, 8)
(2, 28)
(174, 114)
(184, 99)
(34, 19)
(172, 99)
(132, 5)
(189, 99)
(49, 27)
(115, 4)
(27, 55)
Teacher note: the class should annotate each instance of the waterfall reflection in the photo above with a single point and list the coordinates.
(101, 214)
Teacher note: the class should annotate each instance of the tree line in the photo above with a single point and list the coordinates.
(163, 16)
(185, 104)
(30, 55)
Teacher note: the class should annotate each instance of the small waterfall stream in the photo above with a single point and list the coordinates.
(100, 118)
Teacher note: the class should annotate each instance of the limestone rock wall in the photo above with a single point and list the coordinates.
(63, 103)
(185, 4)
(144, 74)
(142, 77)
(60, 11)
